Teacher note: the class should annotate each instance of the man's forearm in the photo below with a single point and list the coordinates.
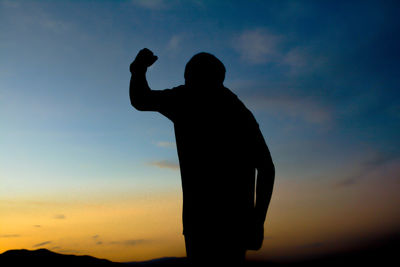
(138, 88)
(265, 184)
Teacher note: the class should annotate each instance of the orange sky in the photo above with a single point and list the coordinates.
(303, 219)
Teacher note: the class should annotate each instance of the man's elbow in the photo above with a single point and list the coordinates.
(270, 174)
(272, 170)
(268, 171)
(137, 104)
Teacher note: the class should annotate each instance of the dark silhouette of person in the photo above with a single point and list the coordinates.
(226, 168)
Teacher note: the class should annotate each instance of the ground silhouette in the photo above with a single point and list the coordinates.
(382, 252)
(226, 168)
(44, 258)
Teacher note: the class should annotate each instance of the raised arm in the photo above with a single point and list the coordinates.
(141, 96)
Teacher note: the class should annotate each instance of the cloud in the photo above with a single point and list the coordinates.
(174, 42)
(165, 164)
(41, 244)
(130, 242)
(150, 4)
(96, 239)
(37, 225)
(301, 59)
(54, 25)
(59, 216)
(10, 4)
(348, 181)
(257, 46)
(33, 16)
(377, 164)
(69, 251)
(298, 107)
(380, 158)
(9, 236)
(260, 46)
(166, 144)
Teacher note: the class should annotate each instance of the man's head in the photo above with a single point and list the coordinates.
(204, 69)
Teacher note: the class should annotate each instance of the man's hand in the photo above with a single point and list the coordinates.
(255, 237)
(144, 59)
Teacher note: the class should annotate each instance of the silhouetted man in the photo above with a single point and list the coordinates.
(221, 153)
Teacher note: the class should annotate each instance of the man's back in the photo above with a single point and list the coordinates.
(215, 136)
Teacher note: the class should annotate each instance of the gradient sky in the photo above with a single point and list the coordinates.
(83, 172)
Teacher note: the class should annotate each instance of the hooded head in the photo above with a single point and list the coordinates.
(204, 69)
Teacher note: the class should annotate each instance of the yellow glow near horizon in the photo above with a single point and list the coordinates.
(120, 230)
(304, 218)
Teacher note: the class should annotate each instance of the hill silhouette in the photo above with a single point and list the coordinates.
(44, 257)
(378, 253)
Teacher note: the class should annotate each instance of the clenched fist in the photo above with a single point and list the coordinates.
(144, 59)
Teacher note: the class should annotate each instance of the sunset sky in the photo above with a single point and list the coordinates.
(82, 172)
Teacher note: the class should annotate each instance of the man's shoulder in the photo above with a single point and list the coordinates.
(178, 88)
(242, 110)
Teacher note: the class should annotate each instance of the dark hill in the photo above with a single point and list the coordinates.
(377, 253)
(44, 258)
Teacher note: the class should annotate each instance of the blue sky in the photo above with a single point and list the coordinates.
(322, 79)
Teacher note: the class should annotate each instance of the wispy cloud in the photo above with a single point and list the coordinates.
(71, 251)
(10, 4)
(302, 59)
(31, 16)
(304, 108)
(166, 144)
(59, 216)
(348, 181)
(257, 46)
(96, 238)
(130, 242)
(42, 244)
(150, 4)
(376, 164)
(174, 43)
(165, 164)
(261, 46)
(9, 236)
(54, 25)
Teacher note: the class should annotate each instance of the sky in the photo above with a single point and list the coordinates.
(83, 172)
